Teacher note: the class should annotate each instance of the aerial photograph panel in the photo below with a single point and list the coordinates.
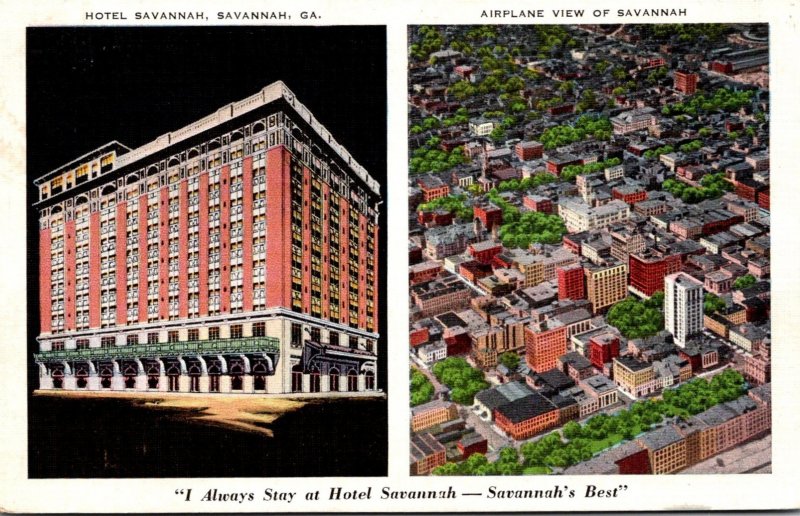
(589, 249)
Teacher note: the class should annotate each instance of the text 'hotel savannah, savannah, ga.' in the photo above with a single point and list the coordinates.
(237, 254)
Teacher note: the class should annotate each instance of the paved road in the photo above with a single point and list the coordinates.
(422, 368)
(753, 457)
(496, 441)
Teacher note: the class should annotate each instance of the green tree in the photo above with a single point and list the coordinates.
(463, 380)
(712, 303)
(572, 430)
(498, 134)
(656, 300)
(634, 319)
(748, 280)
(510, 360)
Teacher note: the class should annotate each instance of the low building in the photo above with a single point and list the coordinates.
(431, 414)
(472, 442)
(433, 352)
(426, 454)
(538, 203)
(629, 458)
(717, 324)
(630, 194)
(579, 216)
(448, 240)
(666, 448)
(529, 150)
(526, 417)
(424, 271)
(747, 336)
(601, 388)
(576, 366)
(634, 120)
(488, 214)
(633, 376)
(481, 126)
(484, 251)
(441, 298)
(432, 188)
(603, 348)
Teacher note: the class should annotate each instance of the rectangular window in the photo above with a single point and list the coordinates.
(172, 336)
(107, 342)
(152, 338)
(297, 335)
(353, 342)
(194, 335)
(315, 334)
(259, 329)
(82, 343)
(334, 338)
(131, 340)
(236, 331)
(58, 345)
(213, 333)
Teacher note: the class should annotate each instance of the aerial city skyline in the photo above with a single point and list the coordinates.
(589, 249)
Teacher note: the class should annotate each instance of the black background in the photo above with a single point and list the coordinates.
(89, 86)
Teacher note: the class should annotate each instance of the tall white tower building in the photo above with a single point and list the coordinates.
(683, 306)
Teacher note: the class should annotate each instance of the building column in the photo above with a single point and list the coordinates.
(361, 382)
(306, 382)
(247, 383)
(204, 383)
(117, 380)
(45, 380)
(183, 383)
(342, 383)
(224, 383)
(324, 383)
(93, 382)
(141, 382)
(70, 383)
(117, 383)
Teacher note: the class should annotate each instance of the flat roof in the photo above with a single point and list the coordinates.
(276, 90)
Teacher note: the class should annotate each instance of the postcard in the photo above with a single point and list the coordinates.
(209, 210)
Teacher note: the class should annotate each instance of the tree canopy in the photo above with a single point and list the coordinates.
(510, 360)
(421, 388)
(636, 319)
(711, 186)
(463, 380)
(455, 204)
(586, 126)
(531, 227)
(748, 280)
(712, 303)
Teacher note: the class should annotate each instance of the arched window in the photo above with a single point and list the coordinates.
(173, 375)
(352, 381)
(369, 381)
(333, 379)
(314, 385)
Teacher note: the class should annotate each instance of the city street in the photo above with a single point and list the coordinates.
(496, 441)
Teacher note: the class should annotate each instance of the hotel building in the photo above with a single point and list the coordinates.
(236, 254)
